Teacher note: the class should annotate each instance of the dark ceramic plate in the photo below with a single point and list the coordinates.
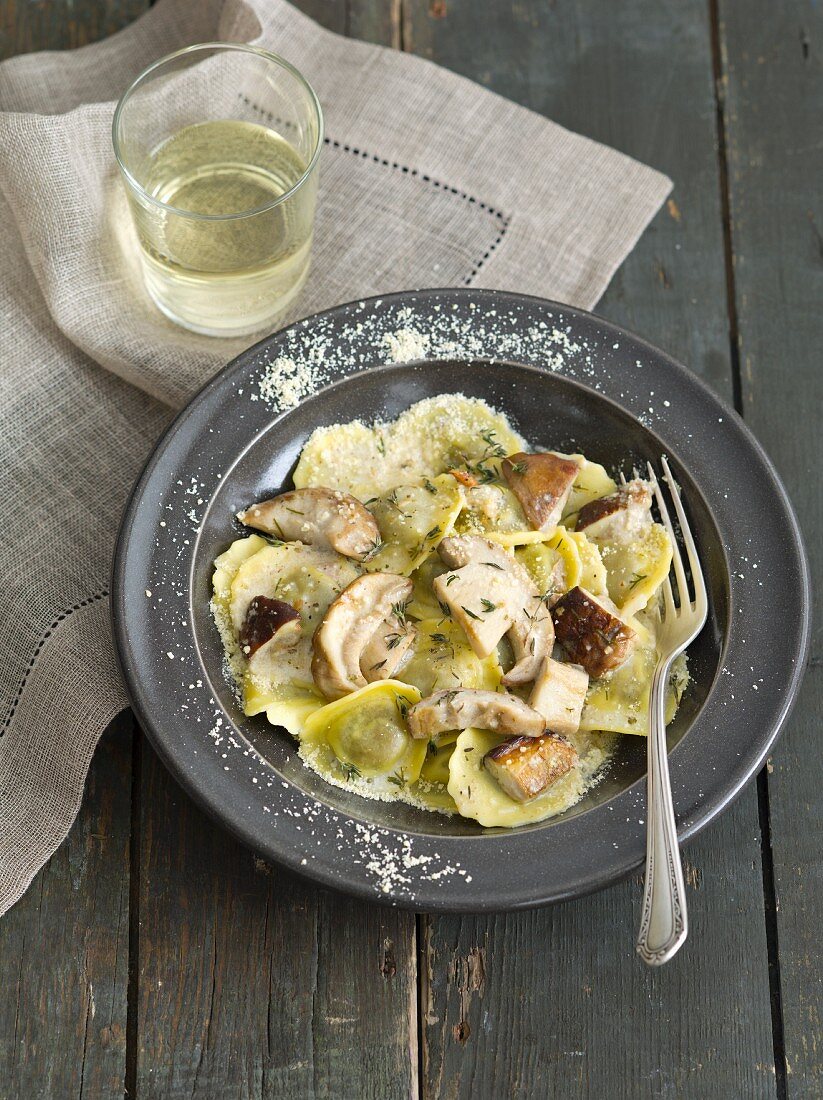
(566, 379)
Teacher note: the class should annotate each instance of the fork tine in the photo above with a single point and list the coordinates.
(677, 562)
(685, 530)
(622, 478)
(668, 598)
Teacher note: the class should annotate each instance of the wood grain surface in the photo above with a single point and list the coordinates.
(773, 106)
(64, 949)
(154, 957)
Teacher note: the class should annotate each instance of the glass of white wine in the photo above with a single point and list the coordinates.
(219, 146)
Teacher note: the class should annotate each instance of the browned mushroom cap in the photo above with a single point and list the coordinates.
(266, 619)
(623, 513)
(526, 766)
(464, 707)
(319, 517)
(591, 632)
(490, 594)
(349, 626)
(559, 693)
(542, 484)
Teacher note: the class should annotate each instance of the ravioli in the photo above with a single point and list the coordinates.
(363, 737)
(545, 565)
(493, 511)
(443, 659)
(592, 482)
(308, 579)
(593, 574)
(413, 520)
(569, 551)
(636, 569)
(433, 473)
(478, 796)
(227, 564)
(430, 438)
(432, 788)
(619, 703)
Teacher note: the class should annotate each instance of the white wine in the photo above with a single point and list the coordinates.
(218, 256)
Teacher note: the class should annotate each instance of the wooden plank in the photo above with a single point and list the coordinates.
(330, 15)
(64, 949)
(251, 983)
(372, 20)
(375, 21)
(555, 1000)
(773, 107)
(61, 24)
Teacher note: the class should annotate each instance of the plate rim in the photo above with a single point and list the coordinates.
(443, 900)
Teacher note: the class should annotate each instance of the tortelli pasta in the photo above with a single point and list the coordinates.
(442, 613)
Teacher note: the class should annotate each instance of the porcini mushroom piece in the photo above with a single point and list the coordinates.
(269, 621)
(591, 632)
(464, 707)
(389, 650)
(489, 593)
(558, 694)
(621, 515)
(349, 626)
(527, 766)
(542, 483)
(318, 517)
(482, 601)
(531, 637)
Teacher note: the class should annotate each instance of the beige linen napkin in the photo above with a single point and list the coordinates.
(90, 372)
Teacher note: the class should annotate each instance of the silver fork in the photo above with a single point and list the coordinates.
(664, 922)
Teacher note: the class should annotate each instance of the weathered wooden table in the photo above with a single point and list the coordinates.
(156, 957)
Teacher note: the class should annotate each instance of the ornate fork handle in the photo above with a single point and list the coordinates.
(664, 921)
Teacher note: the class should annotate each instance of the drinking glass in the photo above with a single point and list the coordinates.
(219, 145)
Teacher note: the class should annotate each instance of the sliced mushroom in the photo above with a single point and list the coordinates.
(482, 601)
(542, 483)
(621, 515)
(348, 628)
(319, 517)
(559, 693)
(269, 622)
(531, 637)
(527, 766)
(490, 594)
(389, 650)
(487, 710)
(591, 632)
